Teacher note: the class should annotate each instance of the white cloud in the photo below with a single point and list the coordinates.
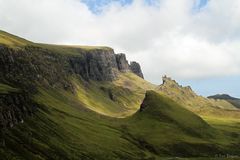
(165, 39)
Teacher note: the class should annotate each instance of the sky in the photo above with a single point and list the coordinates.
(196, 42)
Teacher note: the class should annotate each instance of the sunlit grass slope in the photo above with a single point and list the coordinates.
(119, 98)
(16, 42)
(12, 41)
(197, 104)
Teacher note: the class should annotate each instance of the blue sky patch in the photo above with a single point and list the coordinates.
(96, 5)
(199, 4)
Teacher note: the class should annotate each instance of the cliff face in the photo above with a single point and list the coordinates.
(27, 66)
(122, 62)
(38, 64)
(136, 68)
(100, 65)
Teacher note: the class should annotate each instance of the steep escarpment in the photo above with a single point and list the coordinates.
(31, 66)
(100, 65)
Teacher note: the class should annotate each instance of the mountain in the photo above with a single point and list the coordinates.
(232, 100)
(87, 102)
(198, 104)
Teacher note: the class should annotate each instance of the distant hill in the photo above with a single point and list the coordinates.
(198, 104)
(232, 100)
(223, 96)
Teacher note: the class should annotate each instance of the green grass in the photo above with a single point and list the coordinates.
(76, 50)
(12, 40)
(6, 89)
(63, 128)
(16, 42)
(125, 100)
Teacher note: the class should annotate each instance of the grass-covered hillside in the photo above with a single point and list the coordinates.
(63, 129)
(198, 104)
(62, 102)
(232, 100)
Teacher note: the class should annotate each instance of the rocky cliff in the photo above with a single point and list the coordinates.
(122, 62)
(100, 65)
(33, 64)
(28, 65)
(136, 68)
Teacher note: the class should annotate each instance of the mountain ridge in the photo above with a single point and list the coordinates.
(83, 102)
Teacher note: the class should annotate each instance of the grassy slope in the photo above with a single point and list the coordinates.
(64, 129)
(16, 42)
(12, 40)
(198, 104)
(128, 92)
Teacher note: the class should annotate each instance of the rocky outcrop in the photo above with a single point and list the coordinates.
(100, 65)
(122, 62)
(136, 68)
(175, 91)
(14, 108)
(185, 96)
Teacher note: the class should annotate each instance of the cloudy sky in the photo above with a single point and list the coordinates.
(197, 42)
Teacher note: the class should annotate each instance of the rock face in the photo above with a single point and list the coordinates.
(14, 107)
(136, 68)
(100, 65)
(26, 66)
(122, 62)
